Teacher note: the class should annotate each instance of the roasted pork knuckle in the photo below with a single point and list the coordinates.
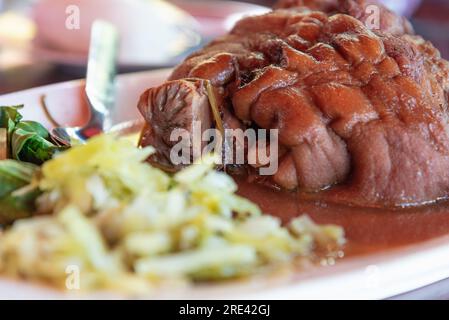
(361, 112)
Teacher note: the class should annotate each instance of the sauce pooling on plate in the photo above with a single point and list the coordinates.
(367, 229)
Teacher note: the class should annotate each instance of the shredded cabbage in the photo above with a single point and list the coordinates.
(129, 226)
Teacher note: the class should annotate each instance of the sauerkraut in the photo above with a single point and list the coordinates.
(131, 227)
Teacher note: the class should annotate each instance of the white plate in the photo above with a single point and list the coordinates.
(371, 276)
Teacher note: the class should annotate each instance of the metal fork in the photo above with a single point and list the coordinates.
(100, 85)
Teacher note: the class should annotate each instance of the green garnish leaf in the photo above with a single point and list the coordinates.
(28, 141)
(17, 194)
(10, 117)
(14, 207)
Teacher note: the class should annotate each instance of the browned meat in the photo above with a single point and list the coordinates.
(365, 111)
(174, 105)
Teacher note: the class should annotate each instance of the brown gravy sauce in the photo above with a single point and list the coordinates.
(367, 229)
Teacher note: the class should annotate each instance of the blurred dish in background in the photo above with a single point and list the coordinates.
(431, 21)
(155, 33)
(402, 7)
(216, 17)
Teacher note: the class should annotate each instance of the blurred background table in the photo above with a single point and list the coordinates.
(20, 70)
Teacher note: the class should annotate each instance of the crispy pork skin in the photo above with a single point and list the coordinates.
(361, 112)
